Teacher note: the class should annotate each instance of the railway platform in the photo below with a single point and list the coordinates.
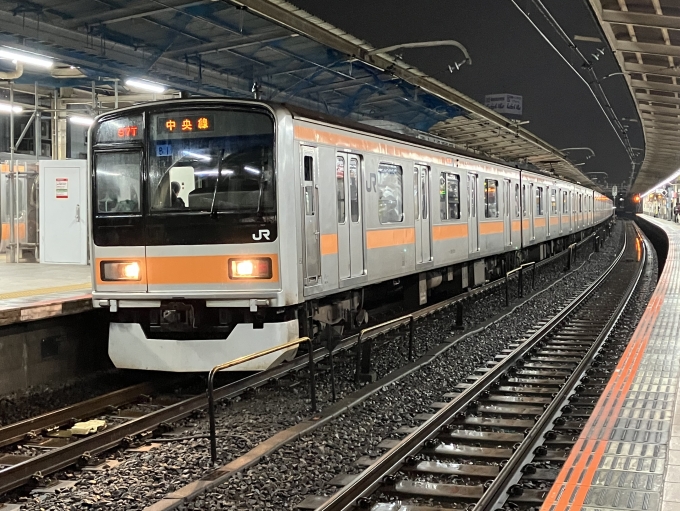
(30, 292)
(628, 454)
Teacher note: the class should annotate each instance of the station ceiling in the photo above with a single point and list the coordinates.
(645, 36)
(223, 48)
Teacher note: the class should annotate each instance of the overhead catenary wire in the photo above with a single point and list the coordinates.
(618, 132)
(588, 66)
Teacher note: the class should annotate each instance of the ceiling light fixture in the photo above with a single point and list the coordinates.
(26, 57)
(145, 85)
(6, 107)
(671, 178)
(83, 121)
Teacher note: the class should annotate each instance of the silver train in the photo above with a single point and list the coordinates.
(223, 227)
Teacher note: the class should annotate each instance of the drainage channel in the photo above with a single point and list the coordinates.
(514, 418)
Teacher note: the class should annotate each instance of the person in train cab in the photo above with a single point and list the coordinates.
(176, 200)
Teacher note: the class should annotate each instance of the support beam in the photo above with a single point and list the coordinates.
(659, 109)
(228, 44)
(648, 48)
(631, 67)
(645, 84)
(128, 13)
(657, 99)
(641, 19)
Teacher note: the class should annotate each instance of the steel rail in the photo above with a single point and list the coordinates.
(370, 479)
(496, 494)
(15, 432)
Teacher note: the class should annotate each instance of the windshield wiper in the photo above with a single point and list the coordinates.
(213, 213)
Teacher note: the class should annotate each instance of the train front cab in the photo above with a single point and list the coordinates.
(187, 232)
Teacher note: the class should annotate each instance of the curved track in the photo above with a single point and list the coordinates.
(492, 431)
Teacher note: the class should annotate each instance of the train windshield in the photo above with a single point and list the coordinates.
(217, 161)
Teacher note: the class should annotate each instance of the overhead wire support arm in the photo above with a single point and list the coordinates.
(425, 44)
(588, 65)
(616, 125)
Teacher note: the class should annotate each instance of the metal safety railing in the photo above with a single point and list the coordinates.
(408, 319)
(520, 280)
(248, 358)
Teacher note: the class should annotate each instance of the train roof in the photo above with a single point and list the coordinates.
(408, 135)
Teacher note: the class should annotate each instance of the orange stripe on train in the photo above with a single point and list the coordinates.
(369, 146)
(390, 237)
(201, 269)
(329, 244)
(491, 228)
(446, 232)
(178, 270)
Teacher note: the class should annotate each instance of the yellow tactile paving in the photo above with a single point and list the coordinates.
(85, 286)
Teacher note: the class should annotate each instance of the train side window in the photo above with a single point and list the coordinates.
(580, 203)
(425, 189)
(416, 208)
(490, 198)
(340, 188)
(516, 200)
(390, 193)
(118, 182)
(309, 168)
(553, 202)
(525, 200)
(354, 189)
(539, 200)
(309, 189)
(565, 203)
(449, 196)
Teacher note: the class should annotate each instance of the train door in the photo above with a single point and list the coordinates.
(507, 220)
(421, 192)
(547, 212)
(473, 221)
(354, 179)
(311, 217)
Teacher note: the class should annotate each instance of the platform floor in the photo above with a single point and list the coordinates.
(628, 455)
(30, 291)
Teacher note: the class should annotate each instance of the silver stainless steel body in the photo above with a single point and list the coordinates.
(359, 212)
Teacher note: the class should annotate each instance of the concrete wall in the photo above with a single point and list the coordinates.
(52, 350)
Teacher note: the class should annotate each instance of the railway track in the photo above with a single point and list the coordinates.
(503, 435)
(33, 470)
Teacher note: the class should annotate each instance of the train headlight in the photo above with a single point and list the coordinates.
(253, 268)
(120, 270)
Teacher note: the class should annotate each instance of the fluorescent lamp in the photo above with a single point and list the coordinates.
(83, 121)
(6, 107)
(144, 85)
(25, 57)
(662, 183)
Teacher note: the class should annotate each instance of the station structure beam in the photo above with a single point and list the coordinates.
(642, 35)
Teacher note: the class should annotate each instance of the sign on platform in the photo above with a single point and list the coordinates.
(504, 103)
(614, 191)
(62, 188)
